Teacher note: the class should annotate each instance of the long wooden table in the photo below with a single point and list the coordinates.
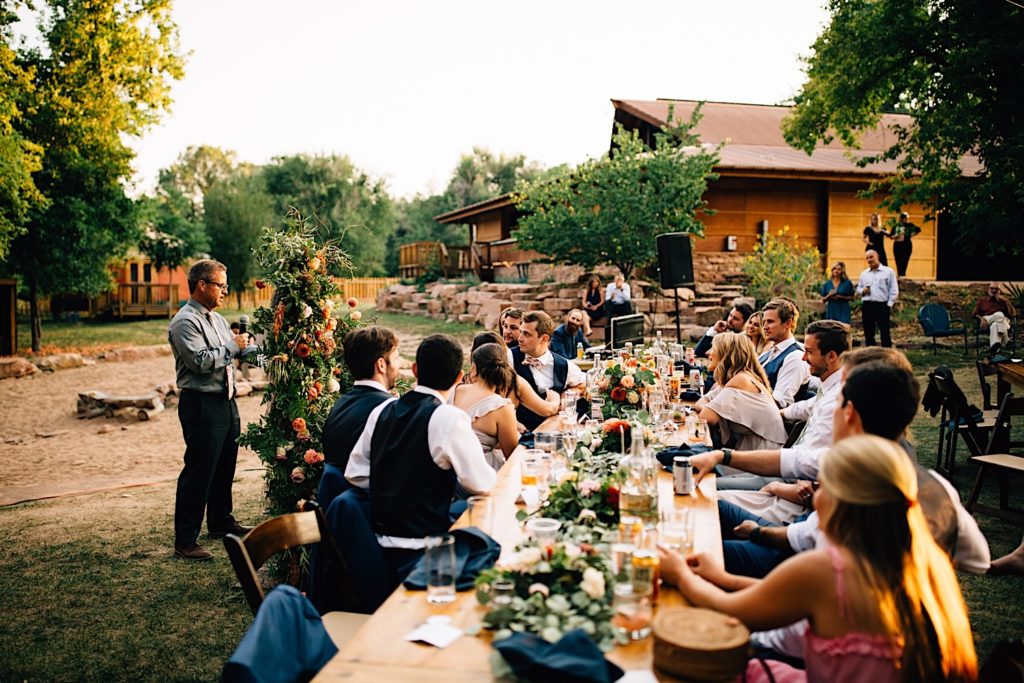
(379, 652)
(1009, 374)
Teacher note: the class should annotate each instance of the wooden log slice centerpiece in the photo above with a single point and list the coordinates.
(694, 644)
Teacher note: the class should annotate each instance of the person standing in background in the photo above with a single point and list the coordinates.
(902, 244)
(878, 290)
(837, 293)
(204, 352)
(874, 238)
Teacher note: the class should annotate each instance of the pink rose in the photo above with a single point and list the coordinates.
(627, 381)
(313, 457)
(353, 302)
(602, 383)
(589, 486)
(355, 315)
(298, 476)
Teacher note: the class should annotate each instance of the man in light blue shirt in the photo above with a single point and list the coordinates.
(878, 289)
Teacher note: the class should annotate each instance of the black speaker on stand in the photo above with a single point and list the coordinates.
(675, 267)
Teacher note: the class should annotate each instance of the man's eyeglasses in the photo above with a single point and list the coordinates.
(223, 287)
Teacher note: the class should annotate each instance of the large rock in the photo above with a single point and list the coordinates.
(748, 300)
(61, 361)
(685, 293)
(708, 315)
(493, 307)
(133, 353)
(13, 366)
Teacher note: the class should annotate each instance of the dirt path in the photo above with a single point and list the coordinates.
(87, 455)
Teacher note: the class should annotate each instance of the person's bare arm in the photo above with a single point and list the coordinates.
(534, 403)
(707, 567)
(508, 432)
(768, 536)
(709, 416)
(765, 463)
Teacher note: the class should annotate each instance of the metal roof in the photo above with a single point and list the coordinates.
(753, 137)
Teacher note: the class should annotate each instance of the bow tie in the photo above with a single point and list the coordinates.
(531, 362)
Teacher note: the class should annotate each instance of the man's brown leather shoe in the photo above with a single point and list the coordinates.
(235, 528)
(192, 551)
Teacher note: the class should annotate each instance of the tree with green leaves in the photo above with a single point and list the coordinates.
(19, 158)
(958, 68)
(609, 210)
(351, 206)
(189, 178)
(236, 211)
(102, 76)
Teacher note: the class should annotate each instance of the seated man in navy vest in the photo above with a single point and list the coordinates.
(371, 354)
(784, 361)
(542, 370)
(412, 453)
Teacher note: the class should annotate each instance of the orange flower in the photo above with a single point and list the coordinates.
(312, 394)
(618, 394)
(614, 426)
(302, 350)
(312, 457)
(278, 319)
(299, 424)
(352, 302)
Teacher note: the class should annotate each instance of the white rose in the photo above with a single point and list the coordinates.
(306, 311)
(572, 551)
(633, 397)
(333, 386)
(329, 305)
(585, 452)
(586, 514)
(593, 583)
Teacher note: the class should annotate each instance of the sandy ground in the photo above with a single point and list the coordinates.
(89, 455)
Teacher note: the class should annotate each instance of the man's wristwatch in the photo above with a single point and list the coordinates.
(726, 456)
(755, 534)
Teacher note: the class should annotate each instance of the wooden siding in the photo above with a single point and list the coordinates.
(488, 228)
(847, 216)
(740, 206)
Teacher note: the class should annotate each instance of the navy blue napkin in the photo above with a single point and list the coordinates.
(573, 659)
(666, 456)
(689, 395)
(475, 551)
(527, 440)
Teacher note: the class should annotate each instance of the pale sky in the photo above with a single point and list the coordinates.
(405, 87)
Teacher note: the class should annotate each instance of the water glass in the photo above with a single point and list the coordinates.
(677, 530)
(568, 443)
(569, 399)
(439, 560)
(700, 430)
(597, 408)
(632, 610)
(545, 441)
(479, 508)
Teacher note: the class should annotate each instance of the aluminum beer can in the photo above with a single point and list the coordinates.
(682, 475)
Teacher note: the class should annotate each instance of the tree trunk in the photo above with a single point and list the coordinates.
(33, 307)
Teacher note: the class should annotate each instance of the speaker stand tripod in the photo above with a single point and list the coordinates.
(679, 331)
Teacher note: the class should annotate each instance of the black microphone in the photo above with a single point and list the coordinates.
(242, 322)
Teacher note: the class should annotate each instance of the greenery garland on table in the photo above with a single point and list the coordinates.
(303, 361)
(624, 382)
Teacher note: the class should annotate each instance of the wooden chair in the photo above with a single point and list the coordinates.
(986, 370)
(958, 421)
(277, 535)
(1000, 462)
(935, 322)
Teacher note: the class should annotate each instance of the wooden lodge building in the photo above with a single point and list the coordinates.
(763, 184)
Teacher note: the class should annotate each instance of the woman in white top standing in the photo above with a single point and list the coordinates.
(485, 400)
(743, 406)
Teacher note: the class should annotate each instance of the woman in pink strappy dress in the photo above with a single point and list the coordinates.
(882, 601)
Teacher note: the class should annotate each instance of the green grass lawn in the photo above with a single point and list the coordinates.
(91, 591)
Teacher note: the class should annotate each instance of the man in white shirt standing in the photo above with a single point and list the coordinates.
(783, 363)
(878, 289)
(617, 297)
(541, 369)
(412, 453)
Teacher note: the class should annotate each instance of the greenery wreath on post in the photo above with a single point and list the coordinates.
(303, 361)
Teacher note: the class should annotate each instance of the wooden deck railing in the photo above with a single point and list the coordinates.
(417, 258)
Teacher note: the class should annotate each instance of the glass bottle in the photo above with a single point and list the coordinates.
(638, 496)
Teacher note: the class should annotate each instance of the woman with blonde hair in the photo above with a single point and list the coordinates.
(742, 406)
(881, 598)
(837, 293)
(755, 333)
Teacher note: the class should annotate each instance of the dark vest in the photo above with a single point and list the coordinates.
(530, 419)
(346, 422)
(772, 368)
(409, 493)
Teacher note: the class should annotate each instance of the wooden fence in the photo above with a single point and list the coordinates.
(146, 299)
(420, 258)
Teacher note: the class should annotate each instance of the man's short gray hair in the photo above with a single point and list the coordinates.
(203, 269)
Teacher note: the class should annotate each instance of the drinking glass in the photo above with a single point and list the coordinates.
(479, 508)
(597, 407)
(569, 399)
(439, 560)
(545, 441)
(632, 608)
(677, 530)
(700, 430)
(502, 592)
(532, 468)
(569, 440)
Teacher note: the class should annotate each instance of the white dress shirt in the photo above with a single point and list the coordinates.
(792, 375)
(452, 444)
(544, 376)
(801, 460)
(971, 553)
(617, 295)
(373, 384)
(884, 288)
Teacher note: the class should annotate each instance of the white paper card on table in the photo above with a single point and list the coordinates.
(529, 496)
(438, 631)
(639, 676)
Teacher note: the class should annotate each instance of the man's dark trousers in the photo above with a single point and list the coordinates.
(745, 558)
(210, 424)
(876, 313)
